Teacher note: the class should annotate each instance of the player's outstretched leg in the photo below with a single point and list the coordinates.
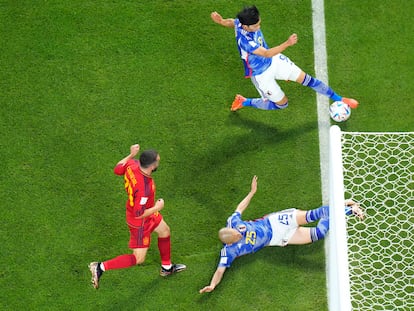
(322, 88)
(259, 103)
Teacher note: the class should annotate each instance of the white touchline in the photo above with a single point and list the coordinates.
(321, 72)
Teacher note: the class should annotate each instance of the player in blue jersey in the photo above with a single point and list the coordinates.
(264, 65)
(282, 228)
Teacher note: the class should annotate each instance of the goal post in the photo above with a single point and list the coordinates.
(338, 276)
(376, 169)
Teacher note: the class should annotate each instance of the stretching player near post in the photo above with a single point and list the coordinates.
(276, 229)
(264, 65)
(142, 215)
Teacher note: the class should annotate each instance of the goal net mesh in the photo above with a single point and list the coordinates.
(378, 172)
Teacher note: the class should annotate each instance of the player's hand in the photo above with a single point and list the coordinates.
(207, 289)
(293, 39)
(254, 184)
(216, 17)
(356, 208)
(349, 202)
(134, 149)
(357, 211)
(159, 204)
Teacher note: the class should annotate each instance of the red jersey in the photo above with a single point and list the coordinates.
(140, 189)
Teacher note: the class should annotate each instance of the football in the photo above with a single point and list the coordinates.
(339, 111)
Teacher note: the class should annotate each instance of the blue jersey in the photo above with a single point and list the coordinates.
(256, 234)
(247, 43)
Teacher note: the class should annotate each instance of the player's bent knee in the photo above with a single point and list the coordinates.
(281, 104)
(301, 77)
(139, 257)
(163, 230)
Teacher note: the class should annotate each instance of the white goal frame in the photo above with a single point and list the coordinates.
(337, 256)
(372, 259)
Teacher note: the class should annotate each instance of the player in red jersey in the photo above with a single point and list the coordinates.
(142, 215)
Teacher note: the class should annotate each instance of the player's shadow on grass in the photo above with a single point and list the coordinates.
(302, 257)
(268, 133)
(260, 136)
(208, 167)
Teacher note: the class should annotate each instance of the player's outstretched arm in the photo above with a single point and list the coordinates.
(218, 275)
(246, 201)
(134, 149)
(218, 19)
(120, 168)
(261, 51)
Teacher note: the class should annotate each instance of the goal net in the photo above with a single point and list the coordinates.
(376, 170)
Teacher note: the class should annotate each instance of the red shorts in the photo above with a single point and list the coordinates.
(140, 237)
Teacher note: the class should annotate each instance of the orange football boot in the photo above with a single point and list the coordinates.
(350, 102)
(237, 102)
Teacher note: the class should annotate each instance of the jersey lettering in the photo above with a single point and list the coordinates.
(131, 176)
(130, 182)
(251, 237)
(129, 190)
(284, 219)
(285, 58)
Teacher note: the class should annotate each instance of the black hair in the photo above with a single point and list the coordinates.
(147, 158)
(249, 15)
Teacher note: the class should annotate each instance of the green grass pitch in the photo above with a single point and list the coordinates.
(80, 81)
